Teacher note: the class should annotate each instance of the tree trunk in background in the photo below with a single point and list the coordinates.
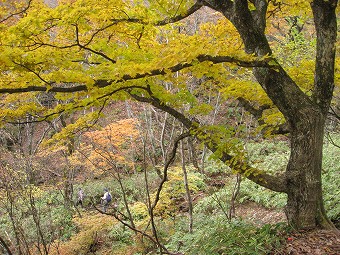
(186, 185)
(68, 171)
(150, 134)
(193, 153)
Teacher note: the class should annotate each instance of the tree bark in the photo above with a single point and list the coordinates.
(303, 174)
(305, 207)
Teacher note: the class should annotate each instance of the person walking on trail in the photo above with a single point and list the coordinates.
(80, 199)
(106, 199)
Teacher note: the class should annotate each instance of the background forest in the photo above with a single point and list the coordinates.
(172, 193)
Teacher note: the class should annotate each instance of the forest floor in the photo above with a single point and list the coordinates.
(315, 242)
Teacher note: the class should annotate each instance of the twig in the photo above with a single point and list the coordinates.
(17, 13)
(330, 139)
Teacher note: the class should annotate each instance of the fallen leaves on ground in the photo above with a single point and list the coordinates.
(315, 242)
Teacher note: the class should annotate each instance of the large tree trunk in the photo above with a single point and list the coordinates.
(305, 116)
(305, 204)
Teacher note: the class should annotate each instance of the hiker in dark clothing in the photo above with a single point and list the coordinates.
(106, 199)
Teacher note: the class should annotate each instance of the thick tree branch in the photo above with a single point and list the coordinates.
(77, 107)
(158, 104)
(326, 30)
(195, 7)
(162, 71)
(275, 183)
(257, 113)
(221, 6)
(182, 16)
(282, 129)
(259, 14)
(278, 85)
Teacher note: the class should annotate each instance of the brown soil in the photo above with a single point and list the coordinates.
(258, 214)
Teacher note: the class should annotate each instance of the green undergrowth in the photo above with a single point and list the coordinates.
(215, 235)
(213, 231)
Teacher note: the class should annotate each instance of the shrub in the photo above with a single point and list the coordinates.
(174, 192)
(213, 166)
(139, 211)
(93, 232)
(121, 235)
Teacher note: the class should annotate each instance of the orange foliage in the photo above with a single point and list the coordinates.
(111, 146)
(115, 134)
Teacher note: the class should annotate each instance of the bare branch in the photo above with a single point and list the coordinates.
(48, 116)
(116, 216)
(166, 166)
(333, 113)
(124, 223)
(3, 244)
(32, 71)
(89, 49)
(330, 139)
